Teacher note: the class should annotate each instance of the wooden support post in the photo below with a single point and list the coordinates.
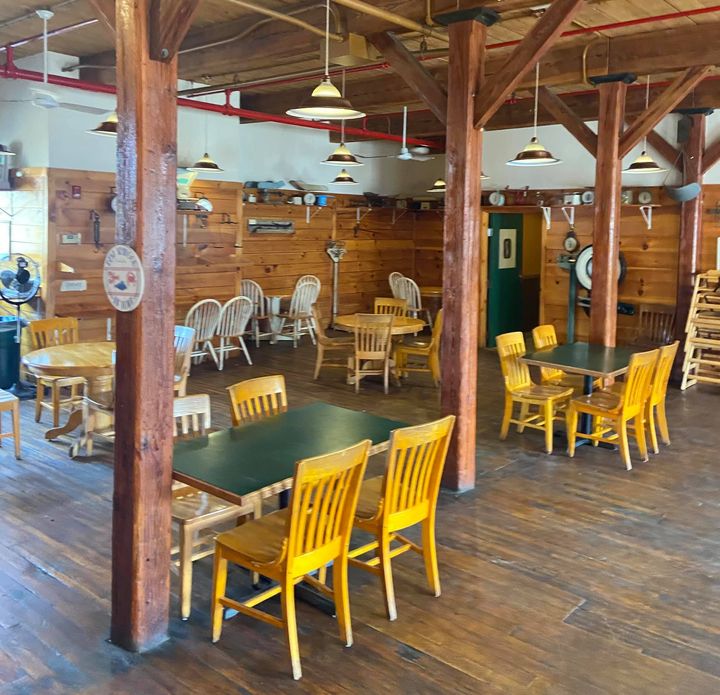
(691, 218)
(146, 157)
(606, 227)
(461, 248)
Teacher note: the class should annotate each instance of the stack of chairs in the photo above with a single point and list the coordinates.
(702, 343)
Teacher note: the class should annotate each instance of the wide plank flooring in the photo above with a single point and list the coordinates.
(559, 576)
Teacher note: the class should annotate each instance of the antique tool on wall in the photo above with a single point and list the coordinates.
(95, 219)
(336, 250)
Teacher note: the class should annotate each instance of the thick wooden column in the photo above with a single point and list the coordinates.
(606, 225)
(461, 249)
(691, 218)
(146, 160)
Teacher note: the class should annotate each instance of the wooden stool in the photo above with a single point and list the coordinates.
(11, 403)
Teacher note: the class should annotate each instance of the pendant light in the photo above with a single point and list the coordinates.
(483, 176)
(534, 154)
(108, 127)
(438, 187)
(344, 179)
(326, 102)
(6, 151)
(341, 156)
(206, 163)
(645, 164)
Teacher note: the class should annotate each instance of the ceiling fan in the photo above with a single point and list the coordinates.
(420, 153)
(43, 98)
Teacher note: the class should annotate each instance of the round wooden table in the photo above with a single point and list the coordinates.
(431, 292)
(402, 325)
(93, 361)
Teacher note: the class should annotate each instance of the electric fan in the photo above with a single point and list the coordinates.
(406, 154)
(19, 284)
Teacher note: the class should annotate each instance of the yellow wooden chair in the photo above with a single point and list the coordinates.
(519, 388)
(612, 410)
(391, 305)
(544, 337)
(255, 399)
(198, 514)
(183, 343)
(10, 403)
(406, 495)
(418, 350)
(342, 346)
(373, 344)
(48, 333)
(655, 408)
(286, 546)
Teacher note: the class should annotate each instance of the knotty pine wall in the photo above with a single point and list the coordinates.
(711, 226)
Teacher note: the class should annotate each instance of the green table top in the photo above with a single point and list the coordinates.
(584, 358)
(242, 460)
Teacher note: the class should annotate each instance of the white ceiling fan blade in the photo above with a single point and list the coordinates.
(422, 158)
(81, 108)
(44, 100)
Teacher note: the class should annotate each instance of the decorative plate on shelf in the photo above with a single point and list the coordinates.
(309, 199)
(626, 197)
(645, 198)
(497, 198)
(588, 197)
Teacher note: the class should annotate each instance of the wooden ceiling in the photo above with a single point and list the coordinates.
(269, 48)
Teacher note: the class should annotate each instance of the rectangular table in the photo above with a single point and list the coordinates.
(592, 361)
(259, 458)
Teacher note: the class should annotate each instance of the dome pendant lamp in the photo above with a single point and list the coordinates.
(108, 127)
(206, 163)
(344, 179)
(645, 164)
(534, 154)
(341, 155)
(326, 102)
(438, 187)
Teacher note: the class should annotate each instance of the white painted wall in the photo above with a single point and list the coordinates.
(266, 151)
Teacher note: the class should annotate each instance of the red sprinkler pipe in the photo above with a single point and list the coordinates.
(11, 71)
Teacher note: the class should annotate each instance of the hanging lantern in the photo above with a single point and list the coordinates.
(108, 127)
(438, 187)
(344, 179)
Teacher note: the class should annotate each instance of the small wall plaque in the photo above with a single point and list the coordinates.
(73, 286)
(71, 238)
(123, 278)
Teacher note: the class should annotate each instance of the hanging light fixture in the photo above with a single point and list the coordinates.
(326, 102)
(483, 176)
(534, 154)
(341, 156)
(438, 187)
(344, 179)
(6, 151)
(108, 127)
(645, 164)
(206, 163)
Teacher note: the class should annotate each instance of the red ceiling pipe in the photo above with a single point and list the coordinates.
(11, 71)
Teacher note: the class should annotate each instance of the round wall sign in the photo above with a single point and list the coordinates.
(123, 278)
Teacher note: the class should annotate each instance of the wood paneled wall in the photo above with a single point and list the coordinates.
(711, 227)
(215, 252)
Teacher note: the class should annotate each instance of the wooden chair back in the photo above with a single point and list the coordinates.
(253, 291)
(183, 342)
(320, 327)
(191, 415)
(373, 336)
(322, 507)
(409, 290)
(663, 368)
(436, 336)
(50, 332)
(416, 457)
(305, 294)
(204, 317)
(638, 382)
(511, 347)
(234, 317)
(258, 398)
(656, 324)
(394, 282)
(390, 305)
(544, 337)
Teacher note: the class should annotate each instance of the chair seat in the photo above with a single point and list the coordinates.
(288, 315)
(338, 342)
(66, 380)
(542, 392)
(370, 496)
(7, 399)
(607, 400)
(189, 503)
(259, 540)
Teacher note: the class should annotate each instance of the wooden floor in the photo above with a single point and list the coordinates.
(559, 576)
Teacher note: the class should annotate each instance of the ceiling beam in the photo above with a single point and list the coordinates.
(524, 57)
(413, 73)
(680, 87)
(105, 11)
(564, 115)
(170, 21)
